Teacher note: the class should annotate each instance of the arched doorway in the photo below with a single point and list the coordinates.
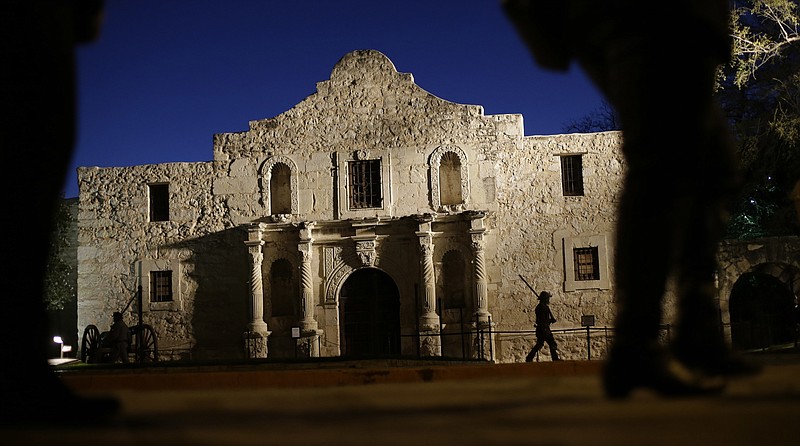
(762, 310)
(369, 315)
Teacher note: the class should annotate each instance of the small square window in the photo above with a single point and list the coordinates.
(587, 264)
(160, 286)
(364, 181)
(159, 202)
(572, 175)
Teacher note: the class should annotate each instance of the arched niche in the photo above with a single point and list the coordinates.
(287, 261)
(278, 183)
(449, 179)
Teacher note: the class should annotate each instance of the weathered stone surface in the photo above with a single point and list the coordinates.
(512, 220)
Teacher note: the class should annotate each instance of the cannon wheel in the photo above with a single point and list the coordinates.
(90, 343)
(148, 351)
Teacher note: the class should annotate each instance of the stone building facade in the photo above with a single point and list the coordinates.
(371, 219)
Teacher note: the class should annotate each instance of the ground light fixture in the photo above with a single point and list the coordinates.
(58, 340)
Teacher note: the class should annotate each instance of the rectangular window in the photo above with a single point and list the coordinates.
(160, 286)
(587, 263)
(572, 175)
(159, 202)
(364, 182)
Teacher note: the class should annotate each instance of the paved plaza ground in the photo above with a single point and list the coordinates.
(386, 403)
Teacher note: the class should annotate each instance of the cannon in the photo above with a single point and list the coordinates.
(143, 345)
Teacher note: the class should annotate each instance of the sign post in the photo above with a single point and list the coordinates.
(587, 320)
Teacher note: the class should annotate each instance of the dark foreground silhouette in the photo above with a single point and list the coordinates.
(38, 90)
(681, 173)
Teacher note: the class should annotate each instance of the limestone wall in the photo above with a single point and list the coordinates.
(365, 106)
(115, 237)
(365, 110)
(532, 223)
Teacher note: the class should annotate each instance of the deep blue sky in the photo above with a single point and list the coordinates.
(165, 75)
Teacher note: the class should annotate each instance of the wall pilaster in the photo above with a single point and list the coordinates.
(257, 334)
(429, 322)
(483, 341)
(309, 332)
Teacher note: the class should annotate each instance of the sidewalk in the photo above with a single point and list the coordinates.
(325, 374)
(478, 404)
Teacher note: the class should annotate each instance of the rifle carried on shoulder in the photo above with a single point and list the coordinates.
(529, 286)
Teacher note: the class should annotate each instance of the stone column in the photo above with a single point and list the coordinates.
(257, 333)
(484, 340)
(430, 340)
(309, 332)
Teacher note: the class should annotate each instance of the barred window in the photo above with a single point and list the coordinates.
(364, 181)
(572, 175)
(587, 263)
(159, 202)
(160, 286)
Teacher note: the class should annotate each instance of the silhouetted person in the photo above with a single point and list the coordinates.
(37, 45)
(118, 339)
(544, 317)
(655, 62)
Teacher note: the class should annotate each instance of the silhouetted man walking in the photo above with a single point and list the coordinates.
(544, 317)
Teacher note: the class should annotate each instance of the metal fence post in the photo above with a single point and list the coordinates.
(480, 336)
(588, 343)
(491, 344)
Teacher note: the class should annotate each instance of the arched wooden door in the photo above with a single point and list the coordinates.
(762, 311)
(369, 315)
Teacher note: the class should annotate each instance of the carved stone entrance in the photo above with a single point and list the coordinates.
(369, 314)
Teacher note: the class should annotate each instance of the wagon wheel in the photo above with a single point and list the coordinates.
(90, 343)
(148, 350)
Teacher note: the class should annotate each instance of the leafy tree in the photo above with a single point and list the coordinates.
(60, 280)
(763, 32)
(760, 92)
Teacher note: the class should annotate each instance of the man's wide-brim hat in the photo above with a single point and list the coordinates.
(544, 295)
